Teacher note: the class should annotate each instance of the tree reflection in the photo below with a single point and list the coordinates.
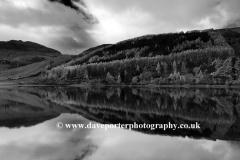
(217, 110)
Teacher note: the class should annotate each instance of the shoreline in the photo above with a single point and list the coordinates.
(86, 85)
(156, 86)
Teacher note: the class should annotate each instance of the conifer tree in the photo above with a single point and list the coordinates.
(158, 69)
(109, 77)
(119, 79)
(174, 66)
(199, 76)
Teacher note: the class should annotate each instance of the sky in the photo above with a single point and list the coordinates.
(72, 26)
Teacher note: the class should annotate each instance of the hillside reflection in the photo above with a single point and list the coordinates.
(217, 110)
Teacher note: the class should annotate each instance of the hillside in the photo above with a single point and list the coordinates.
(146, 46)
(84, 53)
(18, 53)
(23, 72)
(195, 57)
(31, 71)
(27, 60)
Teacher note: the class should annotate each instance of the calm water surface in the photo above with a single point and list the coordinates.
(28, 117)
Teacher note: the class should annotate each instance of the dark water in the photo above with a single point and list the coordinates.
(28, 118)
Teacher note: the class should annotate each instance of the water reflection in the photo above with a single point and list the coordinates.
(28, 116)
(26, 107)
(45, 141)
(217, 110)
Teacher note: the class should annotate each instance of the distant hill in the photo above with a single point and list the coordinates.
(18, 53)
(19, 60)
(14, 48)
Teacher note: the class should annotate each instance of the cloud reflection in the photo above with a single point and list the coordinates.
(45, 141)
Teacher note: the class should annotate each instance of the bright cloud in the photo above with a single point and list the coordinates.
(119, 20)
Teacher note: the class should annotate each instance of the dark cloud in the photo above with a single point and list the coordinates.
(70, 3)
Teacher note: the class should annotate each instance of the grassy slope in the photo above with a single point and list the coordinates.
(25, 71)
(32, 70)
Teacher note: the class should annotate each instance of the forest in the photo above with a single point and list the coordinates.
(195, 57)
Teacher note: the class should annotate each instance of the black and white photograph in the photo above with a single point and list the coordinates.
(119, 79)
